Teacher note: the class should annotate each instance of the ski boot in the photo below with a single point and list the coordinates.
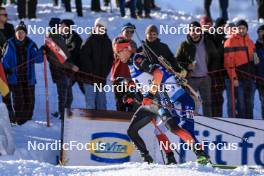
(202, 157)
(203, 160)
(170, 159)
(147, 158)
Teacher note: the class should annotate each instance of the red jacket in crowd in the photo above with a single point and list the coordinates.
(238, 52)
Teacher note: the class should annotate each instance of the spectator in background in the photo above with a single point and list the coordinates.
(206, 23)
(229, 27)
(260, 9)
(132, 7)
(161, 49)
(238, 58)
(96, 58)
(27, 9)
(7, 31)
(6, 28)
(260, 66)
(218, 77)
(23, 52)
(55, 67)
(78, 4)
(198, 55)
(223, 6)
(73, 42)
(60, 73)
(143, 5)
(119, 69)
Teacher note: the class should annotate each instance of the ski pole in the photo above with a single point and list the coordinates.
(215, 118)
(222, 131)
(235, 123)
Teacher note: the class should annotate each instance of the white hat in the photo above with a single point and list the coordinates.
(100, 21)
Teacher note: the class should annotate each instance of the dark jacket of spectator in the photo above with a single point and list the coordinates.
(2, 42)
(96, 55)
(186, 54)
(161, 49)
(8, 31)
(55, 67)
(260, 53)
(74, 42)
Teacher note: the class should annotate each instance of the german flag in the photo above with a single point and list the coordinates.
(4, 90)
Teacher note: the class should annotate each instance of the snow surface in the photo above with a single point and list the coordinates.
(22, 167)
(173, 13)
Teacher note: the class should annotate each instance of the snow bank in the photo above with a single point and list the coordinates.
(25, 162)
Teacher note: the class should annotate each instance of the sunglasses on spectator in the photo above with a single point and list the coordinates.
(5, 14)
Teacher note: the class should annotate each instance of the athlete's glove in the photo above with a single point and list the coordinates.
(183, 73)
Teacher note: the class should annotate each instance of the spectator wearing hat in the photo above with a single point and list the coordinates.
(27, 9)
(161, 49)
(66, 72)
(73, 42)
(120, 69)
(58, 71)
(260, 66)
(55, 69)
(198, 55)
(223, 7)
(238, 61)
(96, 58)
(19, 60)
(132, 7)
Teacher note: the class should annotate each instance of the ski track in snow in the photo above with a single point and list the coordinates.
(25, 162)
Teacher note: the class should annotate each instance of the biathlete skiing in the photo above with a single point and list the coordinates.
(156, 103)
